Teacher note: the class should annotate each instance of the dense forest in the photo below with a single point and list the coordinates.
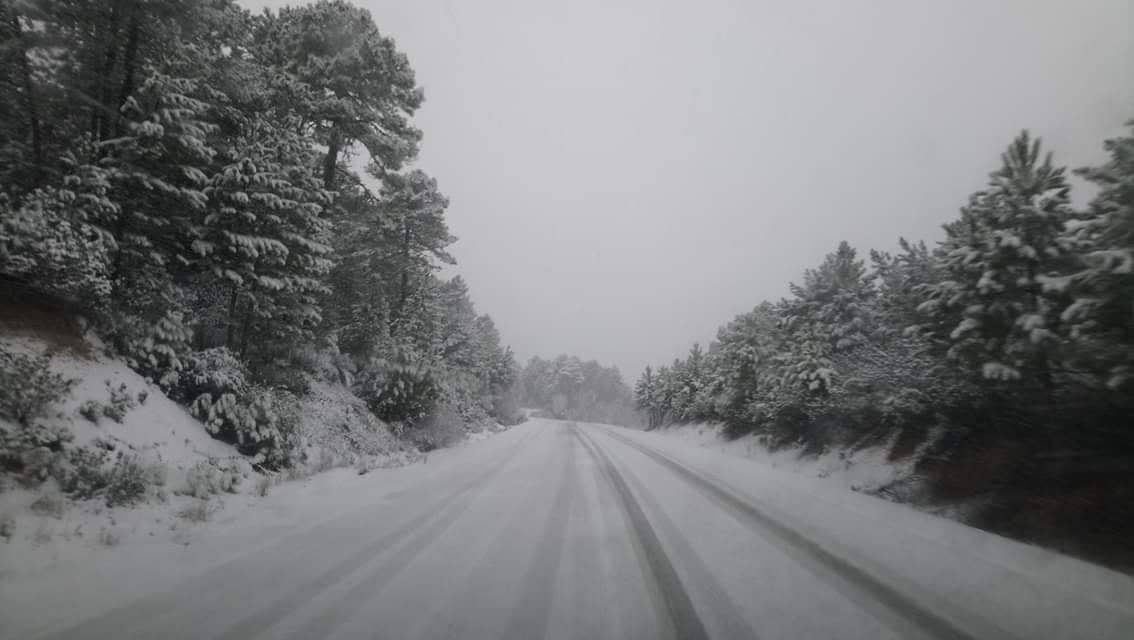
(569, 388)
(1011, 340)
(229, 200)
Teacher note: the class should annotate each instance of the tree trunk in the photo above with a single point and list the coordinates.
(29, 98)
(331, 160)
(102, 89)
(403, 287)
(230, 321)
(129, 64)
(244, 332)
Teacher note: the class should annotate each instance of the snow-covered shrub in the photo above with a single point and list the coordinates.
(208, 478)
(127, 482)
(263, 423)
(465, 393)
(83, 475)
(120, 402)
(399, 392)
(157, 349)
(213, 372)
(28, 386)
(32, 452)
(91, 410)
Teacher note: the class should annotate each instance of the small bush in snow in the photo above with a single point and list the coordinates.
(28, 386)
(399, 392)
(158, 349)
(91, 410)
(142, 395)
(121, 402)
(32, 452)
(207, 478)
(213, 372)
(263, 423)
(127, 483)
(83, 475)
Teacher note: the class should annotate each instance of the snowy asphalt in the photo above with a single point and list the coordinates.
(563, 530)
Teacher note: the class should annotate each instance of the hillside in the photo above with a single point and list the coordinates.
(113, 459)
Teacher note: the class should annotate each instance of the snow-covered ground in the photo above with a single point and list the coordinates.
(201, 485)
(558, 530)
(70, 576)
(156, 429)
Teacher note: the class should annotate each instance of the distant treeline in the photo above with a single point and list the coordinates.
(569, 388)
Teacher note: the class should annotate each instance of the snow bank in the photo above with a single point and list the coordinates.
(866, 469)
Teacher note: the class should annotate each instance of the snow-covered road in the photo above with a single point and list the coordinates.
(559, 530)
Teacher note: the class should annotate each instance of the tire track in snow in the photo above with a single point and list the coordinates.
(475, 602)
(329, 619)
(816, 558)
(531, 615)
(437, 518)
(726, 618)
(143, 616)
(686, 623)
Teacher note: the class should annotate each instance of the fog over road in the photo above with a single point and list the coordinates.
(563, 530)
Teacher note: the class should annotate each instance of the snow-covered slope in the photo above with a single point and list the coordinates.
(157, 429)
(195, 480)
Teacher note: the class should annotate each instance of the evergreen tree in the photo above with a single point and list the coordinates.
(347, 81)
(1100, 320)
(264, 239)
(994, 261)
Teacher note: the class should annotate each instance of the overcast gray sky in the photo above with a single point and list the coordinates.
(626, 176)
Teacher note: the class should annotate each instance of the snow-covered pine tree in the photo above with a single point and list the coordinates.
(349, 83)
(899, 279)
(747, 348)
(991, 300)
(264, 239)
(645, 398)
(831, 312)
(1100, 320)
